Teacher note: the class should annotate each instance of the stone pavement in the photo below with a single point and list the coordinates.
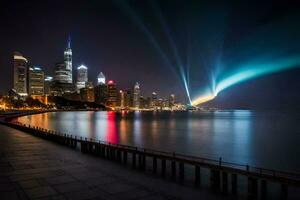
(33, 168)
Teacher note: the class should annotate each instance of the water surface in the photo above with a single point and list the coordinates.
(264, 139)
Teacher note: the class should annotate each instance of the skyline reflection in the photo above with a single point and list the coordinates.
(236, 136)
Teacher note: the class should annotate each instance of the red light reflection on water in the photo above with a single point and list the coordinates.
(112, 131)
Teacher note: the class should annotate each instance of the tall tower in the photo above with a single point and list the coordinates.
(111, 94)
(136, 95)
(20, 74)
(100, 79)
(36, 81)
(68, 62)
(82, 77)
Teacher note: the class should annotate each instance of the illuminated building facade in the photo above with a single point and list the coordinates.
(136, 95)
(122, 99)
(153, 103)
(171, 100)
(100, 79)
(36, 81)
(68, 62)
(127, 98)
(111, 94)
(48, 81)
(82, 77)
(100, 92)
(87, 94)
(60, 75)
(20, 74)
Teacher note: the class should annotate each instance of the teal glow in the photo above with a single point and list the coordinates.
(252, 71)
(247, 72)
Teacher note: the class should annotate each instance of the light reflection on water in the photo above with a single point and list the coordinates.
(264, 139)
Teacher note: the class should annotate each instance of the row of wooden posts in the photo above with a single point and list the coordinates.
(219, 176)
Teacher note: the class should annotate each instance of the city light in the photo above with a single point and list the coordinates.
(82, 67)
(247, 72)
(110, 82)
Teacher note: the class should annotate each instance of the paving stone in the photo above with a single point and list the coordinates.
(133, 194)
(82, 195)
(38, 192)
(97, 182)
(56, 197)
(29, 184)
(9, 196)
(59, 180)
(4, 187)
(70, 187)
(155, 197)
(4, 179)
(117, 187)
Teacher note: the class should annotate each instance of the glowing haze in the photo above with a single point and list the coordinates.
(247, 72)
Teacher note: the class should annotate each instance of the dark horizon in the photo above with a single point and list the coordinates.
(107, 37)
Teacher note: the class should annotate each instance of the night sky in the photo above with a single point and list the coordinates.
(133, 41)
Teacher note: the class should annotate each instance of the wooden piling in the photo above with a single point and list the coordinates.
(154, 165)
(133, 160)
(224, 182)
(284, 192)
(234, 184)
(173, 169)
(197, 176)
(263, 189)
(215, 179)
(252, 188)
(181, 171)
(163, 167)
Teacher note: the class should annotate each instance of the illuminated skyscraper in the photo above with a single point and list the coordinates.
(47, 85)
(111, 94)
(153, 100)
(136, 95)
(87, 93)
(171, 100)
(68, 62)
(100, 79)
(82, 77)
(20, 74)
(101, 94)
(127, 98)
(60, 74)
(36, 81)
(122, 99)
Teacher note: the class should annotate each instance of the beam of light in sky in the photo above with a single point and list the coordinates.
(173, 47)
(247, 72)
(134, 16)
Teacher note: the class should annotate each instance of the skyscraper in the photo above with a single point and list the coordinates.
(101, 94)
(171, 100)
(60, 74)
(154, 100)
(68, 62)
(136, 95)
(111, 94)
(36, 81)
(20, 74)
(121, 99)
(127, 98)
(47, 84)
(100, 79)
(87, 93)
(82, 77)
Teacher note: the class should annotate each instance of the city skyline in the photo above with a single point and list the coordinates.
(150, 99)
(65, 72)
(138, 53)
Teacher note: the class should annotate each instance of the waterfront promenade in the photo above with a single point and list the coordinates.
(33, 168)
